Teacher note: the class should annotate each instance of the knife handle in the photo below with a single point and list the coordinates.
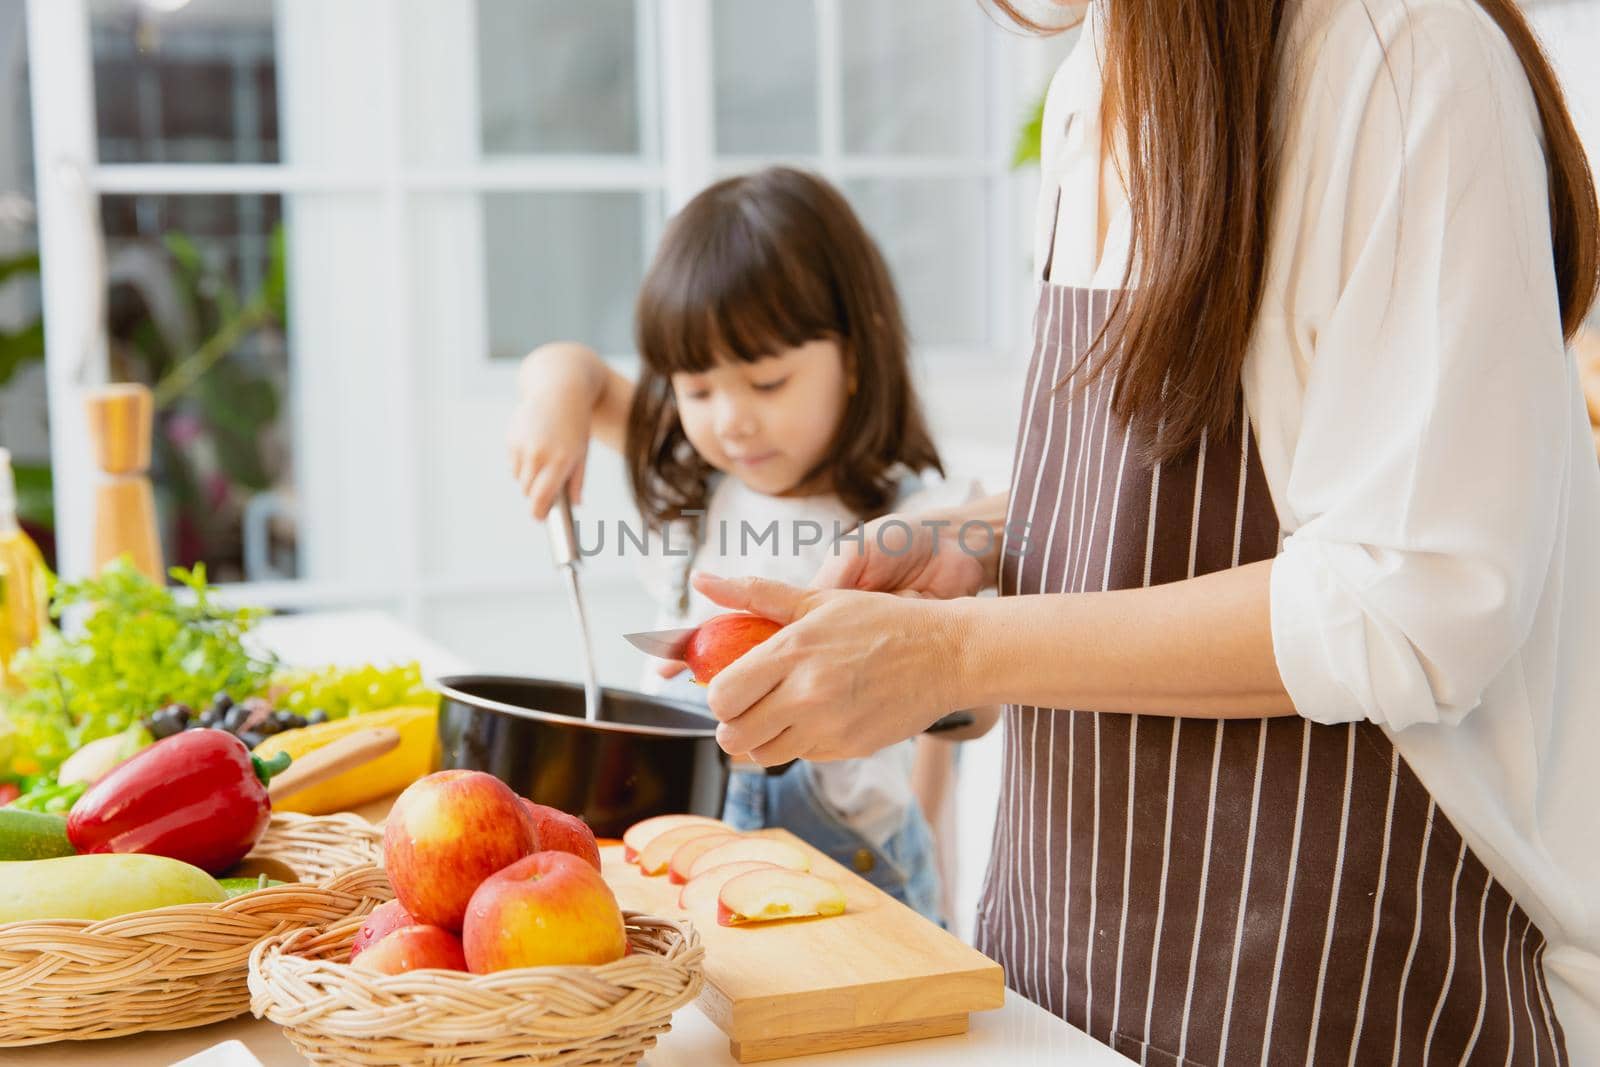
(956, 720)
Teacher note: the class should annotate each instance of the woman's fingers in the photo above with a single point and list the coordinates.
(771, 600)
(780, 749)
(671, 668)
(735, 691)
(758, 725)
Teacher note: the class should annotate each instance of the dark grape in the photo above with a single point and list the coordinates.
(317, 715)
(268, 726)
(163, 725)
(210, 718)
(222, 702)
(286, 720)
(251, 738)
(182, 712)
(235, 717)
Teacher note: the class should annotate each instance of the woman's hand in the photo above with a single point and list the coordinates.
(850, 672)
(941, 554)
(548, 439)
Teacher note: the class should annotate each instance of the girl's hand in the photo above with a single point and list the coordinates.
(850, 673)
(933, 555)
(548, 440)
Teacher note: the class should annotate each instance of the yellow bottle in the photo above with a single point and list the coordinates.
(24, 608)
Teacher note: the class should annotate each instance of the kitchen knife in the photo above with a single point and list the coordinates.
(663, 644)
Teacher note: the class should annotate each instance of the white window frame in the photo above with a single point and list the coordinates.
(70, 180)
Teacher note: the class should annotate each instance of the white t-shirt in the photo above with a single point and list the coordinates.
(752, 535)
(1423, 435)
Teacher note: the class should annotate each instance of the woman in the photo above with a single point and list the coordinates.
(1299, 577)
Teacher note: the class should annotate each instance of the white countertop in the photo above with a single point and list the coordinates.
(1019, 1035)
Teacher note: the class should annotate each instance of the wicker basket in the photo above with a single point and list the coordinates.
(171, 968)
(337, 1014)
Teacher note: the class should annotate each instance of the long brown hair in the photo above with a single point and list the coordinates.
(1192, 87)
(752, 266)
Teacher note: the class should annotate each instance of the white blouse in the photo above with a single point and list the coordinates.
(1422, 432)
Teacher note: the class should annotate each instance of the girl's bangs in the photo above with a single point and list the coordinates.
(738, 298)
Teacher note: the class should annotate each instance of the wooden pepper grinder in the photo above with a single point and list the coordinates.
(121, 419)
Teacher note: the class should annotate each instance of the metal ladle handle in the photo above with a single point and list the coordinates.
(564, 547)
(563, 534)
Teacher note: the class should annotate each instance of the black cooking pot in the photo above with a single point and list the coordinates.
(645, 756)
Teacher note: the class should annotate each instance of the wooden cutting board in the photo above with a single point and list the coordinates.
(878, 974)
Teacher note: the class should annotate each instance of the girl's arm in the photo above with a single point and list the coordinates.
(565, 395)
(560, 363)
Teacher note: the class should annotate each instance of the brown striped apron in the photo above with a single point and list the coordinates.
(1189, 891)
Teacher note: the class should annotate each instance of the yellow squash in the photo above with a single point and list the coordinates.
(100, 886)
(417, 755)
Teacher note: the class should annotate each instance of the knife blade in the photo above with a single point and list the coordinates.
(662, 644)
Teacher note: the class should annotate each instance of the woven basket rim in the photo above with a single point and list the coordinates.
(184, 964)
(334, 1012)
(281, 946)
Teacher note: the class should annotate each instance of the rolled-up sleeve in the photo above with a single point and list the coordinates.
(1424, 485)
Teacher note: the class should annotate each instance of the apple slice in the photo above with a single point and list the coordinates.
(777, 853)
(765, 895)
(655, 856)
(700, 894)
(683, 859)
(640, 834)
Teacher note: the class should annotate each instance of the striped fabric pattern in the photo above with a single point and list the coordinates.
(1196, 892)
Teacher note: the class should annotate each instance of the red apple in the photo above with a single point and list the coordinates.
(448, 832)
(765, 849)
(555, 830)
(776, 893)
(549, 909)
(640, 834)
(412, 948)
(685, 855)
(384, 920)
(721, 640)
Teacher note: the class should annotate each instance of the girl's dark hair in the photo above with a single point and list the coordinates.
(750, 267)
(1192, 86)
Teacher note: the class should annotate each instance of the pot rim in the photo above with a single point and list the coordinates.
(447, 687)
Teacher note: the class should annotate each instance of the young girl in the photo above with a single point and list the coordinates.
(1299, 651)
(774, 411)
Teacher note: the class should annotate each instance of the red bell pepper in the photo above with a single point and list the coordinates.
(198, 796)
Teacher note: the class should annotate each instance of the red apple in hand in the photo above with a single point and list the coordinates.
(549, 909)
(413, 948)
(556, 831)
(448, 832)
(384, 920)
(723, 639)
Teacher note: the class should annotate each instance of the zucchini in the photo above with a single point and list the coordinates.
(33, 835)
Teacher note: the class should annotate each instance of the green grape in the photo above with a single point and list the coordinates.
(342, 691)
